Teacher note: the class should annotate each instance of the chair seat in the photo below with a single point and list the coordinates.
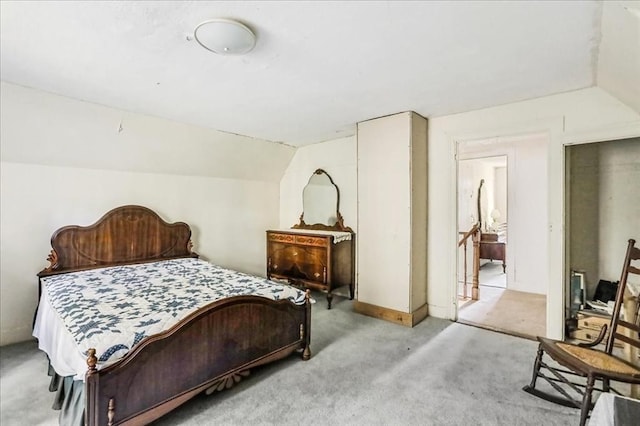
(589, 360)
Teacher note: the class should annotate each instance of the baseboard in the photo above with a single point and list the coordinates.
(419, 314)
(403, 318)
(440, 312)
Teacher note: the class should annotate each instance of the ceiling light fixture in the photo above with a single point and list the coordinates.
(225, 37)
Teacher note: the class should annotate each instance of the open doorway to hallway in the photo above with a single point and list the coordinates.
(482, 202)
(502, 208)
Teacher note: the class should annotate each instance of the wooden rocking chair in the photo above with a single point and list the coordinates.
(586, 361)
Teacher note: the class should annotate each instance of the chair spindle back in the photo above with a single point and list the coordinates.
(632, 336)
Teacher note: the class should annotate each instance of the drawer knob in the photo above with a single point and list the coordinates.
(316, 274)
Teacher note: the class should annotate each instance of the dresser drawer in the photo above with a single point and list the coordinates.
(586, 335)
(306, 240)
(303, 240)
(593, 323)
(298, 261)
(283, 238)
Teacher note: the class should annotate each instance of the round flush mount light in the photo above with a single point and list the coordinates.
(225, 37)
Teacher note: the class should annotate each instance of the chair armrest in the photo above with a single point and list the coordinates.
(599, 339)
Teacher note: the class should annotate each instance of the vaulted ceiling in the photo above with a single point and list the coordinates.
(320, 67)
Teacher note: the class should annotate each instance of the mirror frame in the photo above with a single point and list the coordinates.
(338, 226)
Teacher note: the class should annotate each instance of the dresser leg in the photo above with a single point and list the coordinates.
(329, 299)
(350, 291)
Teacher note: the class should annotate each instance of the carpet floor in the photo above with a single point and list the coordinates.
(509, 311)
(363, 371)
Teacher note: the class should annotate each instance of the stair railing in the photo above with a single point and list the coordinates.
(474, 234)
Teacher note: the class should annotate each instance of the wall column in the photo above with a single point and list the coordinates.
(392, 218)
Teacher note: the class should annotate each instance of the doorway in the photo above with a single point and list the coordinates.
(502, 192)
(602, 202)
(482, 201)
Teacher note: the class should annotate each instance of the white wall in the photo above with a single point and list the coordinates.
(581, 116)
(527, 222)
(501, 189)
(336, 157)
(66, 162)
(619, 51)
(619, 171)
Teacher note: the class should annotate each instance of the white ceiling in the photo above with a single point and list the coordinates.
(317, 68)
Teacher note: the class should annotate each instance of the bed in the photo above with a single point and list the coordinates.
(178, 333)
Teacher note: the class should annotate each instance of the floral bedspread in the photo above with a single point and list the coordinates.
(112, 309)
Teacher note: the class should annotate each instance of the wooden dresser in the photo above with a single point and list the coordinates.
(312, 259)
(492, 248)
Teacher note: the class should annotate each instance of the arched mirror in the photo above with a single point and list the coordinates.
(321, 204)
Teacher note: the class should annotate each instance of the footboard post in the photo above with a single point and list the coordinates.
(91, 361)
(306, 353)
(111, 412)
(90, 396)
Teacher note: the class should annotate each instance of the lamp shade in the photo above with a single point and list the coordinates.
(225, 37)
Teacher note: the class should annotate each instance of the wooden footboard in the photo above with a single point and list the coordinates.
(213, 347)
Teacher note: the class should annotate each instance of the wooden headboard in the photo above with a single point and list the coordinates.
(125, 235)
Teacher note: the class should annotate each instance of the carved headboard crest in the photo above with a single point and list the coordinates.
(125, 235)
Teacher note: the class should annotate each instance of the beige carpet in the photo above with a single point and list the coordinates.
(514, 312)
